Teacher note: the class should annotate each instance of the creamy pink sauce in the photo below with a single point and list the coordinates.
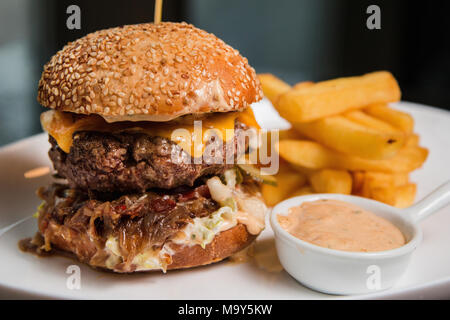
(341, 226)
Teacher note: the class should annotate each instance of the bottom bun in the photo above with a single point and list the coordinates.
(224, 244)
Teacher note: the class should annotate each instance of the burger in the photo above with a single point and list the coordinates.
(133, 193)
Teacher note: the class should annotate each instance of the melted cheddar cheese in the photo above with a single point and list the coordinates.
(191, 136)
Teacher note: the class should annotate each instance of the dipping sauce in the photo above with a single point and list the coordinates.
(341, 226)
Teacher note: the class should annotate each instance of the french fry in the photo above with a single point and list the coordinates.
(358, 181)
(398, 119)
(266, 139)
(290, 134)
(370, 122)
(400, 197)
(312, 155)
(303, 85)
(413, 140)
(303, 191)
(386, 179)
(375, 180)
(400, 178)
(341, 134)
(307, 172)
(287, 180)
(360, 145)
(331, 181)
(272, 86)
(336, 96)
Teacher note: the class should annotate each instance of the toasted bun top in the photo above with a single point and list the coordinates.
(153, 72)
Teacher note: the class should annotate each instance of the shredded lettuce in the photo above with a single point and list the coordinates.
(153, 259)
(230, 202)
(203, 230)
(39, 208)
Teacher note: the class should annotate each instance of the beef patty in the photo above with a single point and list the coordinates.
(135, 220)
(135, 162)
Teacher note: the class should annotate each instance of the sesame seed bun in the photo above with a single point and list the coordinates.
(148, 72)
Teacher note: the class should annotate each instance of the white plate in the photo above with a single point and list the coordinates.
(24, 275)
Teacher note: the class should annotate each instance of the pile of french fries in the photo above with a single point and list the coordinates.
(345, 138)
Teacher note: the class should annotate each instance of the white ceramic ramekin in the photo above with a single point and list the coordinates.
(341, 272)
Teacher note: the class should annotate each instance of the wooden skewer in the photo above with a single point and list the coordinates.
(37, 172)
(158, 11)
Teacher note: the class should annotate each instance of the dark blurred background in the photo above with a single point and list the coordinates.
(294, 39)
